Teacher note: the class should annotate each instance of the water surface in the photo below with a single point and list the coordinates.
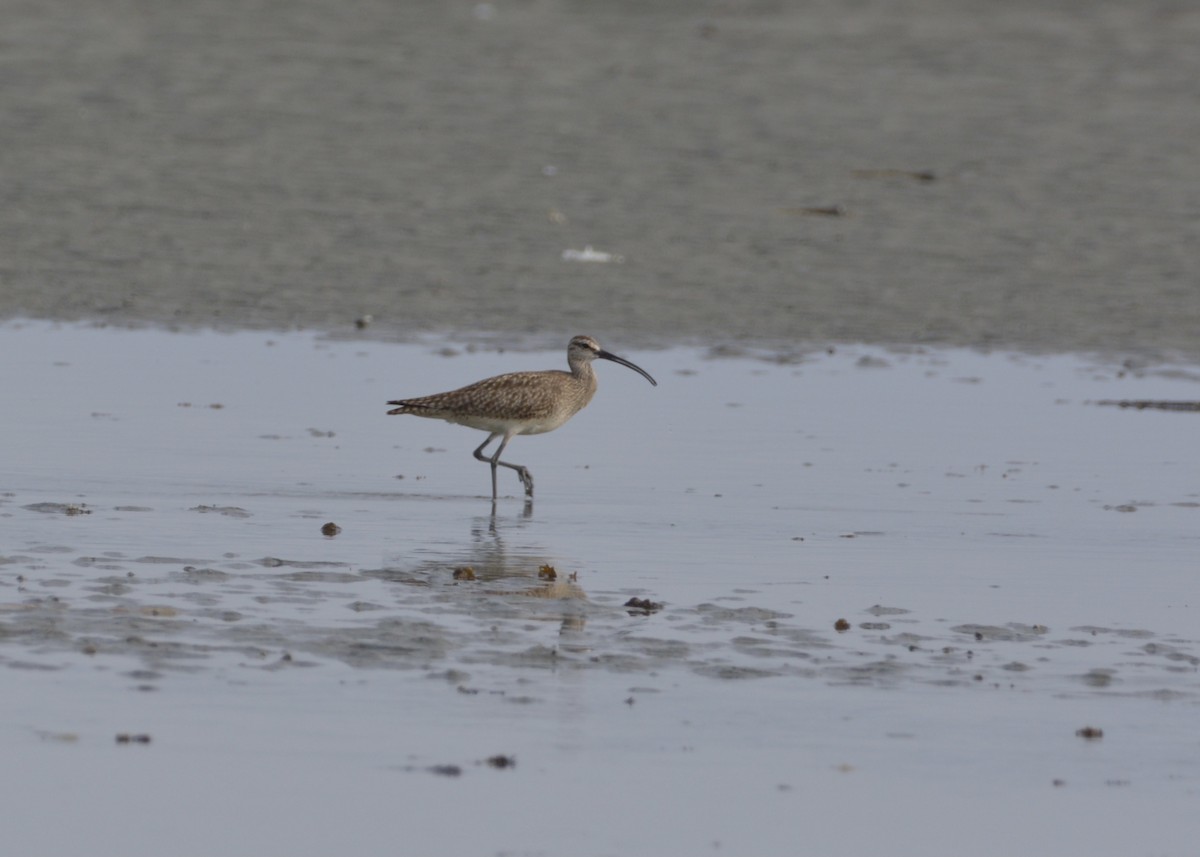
(878, 594)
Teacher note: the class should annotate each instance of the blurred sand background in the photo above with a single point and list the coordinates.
(960, 172)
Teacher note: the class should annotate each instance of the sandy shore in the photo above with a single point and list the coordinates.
(963, 173)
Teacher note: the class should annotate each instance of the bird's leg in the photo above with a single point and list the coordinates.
(492, 461)
(523, 473)
(526, 478)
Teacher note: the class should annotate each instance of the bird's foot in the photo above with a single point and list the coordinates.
(526, 480)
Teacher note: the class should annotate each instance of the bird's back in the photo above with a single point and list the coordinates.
(530, 402)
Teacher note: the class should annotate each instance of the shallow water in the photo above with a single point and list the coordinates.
(1013, 562)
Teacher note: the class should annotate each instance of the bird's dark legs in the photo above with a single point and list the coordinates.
(479, 454)
(525, 476)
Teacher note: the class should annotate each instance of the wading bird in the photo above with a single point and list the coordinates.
(519, 402)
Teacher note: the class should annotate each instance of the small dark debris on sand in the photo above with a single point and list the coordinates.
(501, 761)
(1090, 733)
(464, 572)
(841, 626)
(916, 175)
(331, 529)
(818, 210)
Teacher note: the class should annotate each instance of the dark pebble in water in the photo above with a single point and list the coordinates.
(1090, 733)
(642, 606)
(331, 529)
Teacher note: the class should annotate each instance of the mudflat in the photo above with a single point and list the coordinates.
(958, 173)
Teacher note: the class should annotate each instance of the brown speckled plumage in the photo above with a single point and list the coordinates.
(540, 401)
(519, 402)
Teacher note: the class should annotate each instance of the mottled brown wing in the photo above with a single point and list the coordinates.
(516, 396)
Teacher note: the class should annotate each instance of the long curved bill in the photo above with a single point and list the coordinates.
(605, 355)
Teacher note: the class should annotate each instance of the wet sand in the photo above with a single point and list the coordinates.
(960, 173)
(884, 602)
